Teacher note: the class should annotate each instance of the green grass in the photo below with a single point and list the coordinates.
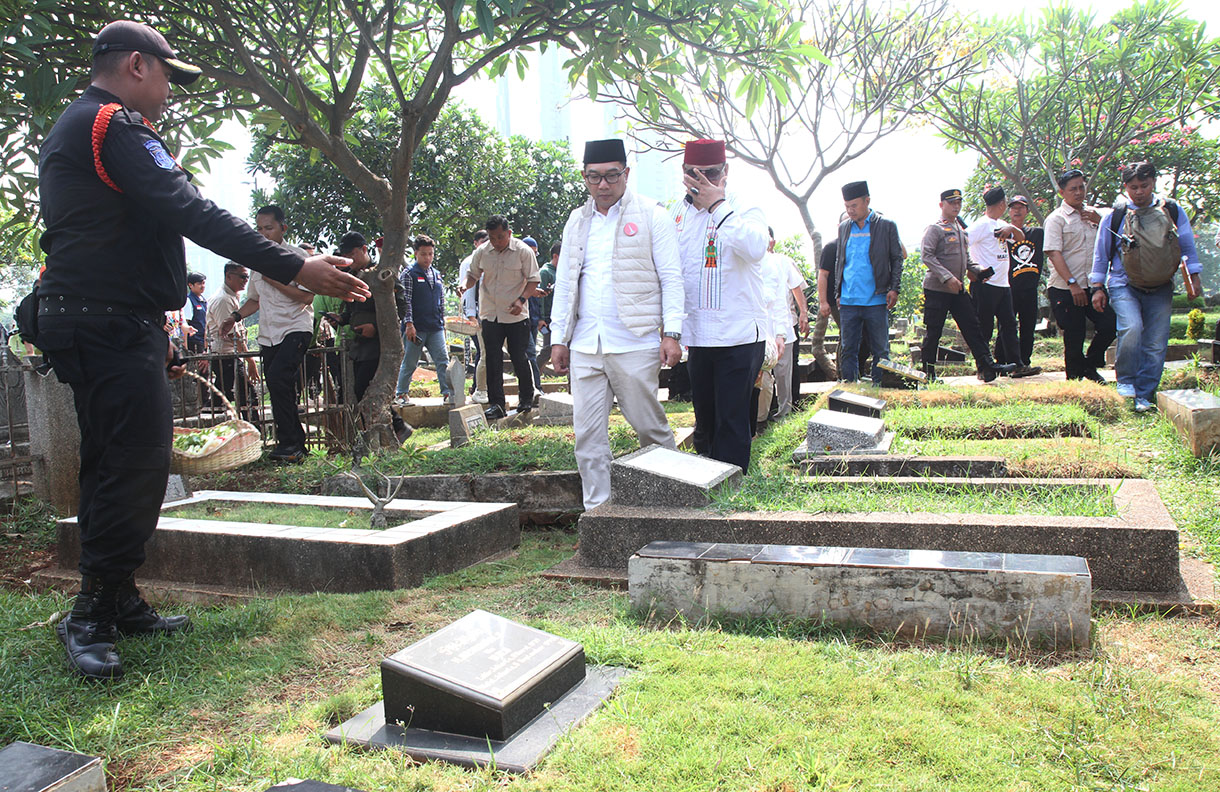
(828, 494)
(276, 514)
(1013, 420)
(240, 703)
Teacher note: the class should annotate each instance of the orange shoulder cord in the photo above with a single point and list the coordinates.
(100, 124)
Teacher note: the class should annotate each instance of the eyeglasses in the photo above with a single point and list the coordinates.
(711, 174)
(244, 277)
(610, 177)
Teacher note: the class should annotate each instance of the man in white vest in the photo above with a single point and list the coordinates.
(617, 313)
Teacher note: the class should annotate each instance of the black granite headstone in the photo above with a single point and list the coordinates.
(26, 767)
(482, 676)
(309, 785)
(856, 404)
(946, 354)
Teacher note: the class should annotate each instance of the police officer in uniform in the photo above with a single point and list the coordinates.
(116, 206)
(945, 252)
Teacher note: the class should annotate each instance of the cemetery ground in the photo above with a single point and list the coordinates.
(241, 703)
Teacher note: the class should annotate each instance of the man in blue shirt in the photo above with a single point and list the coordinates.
(425, 321)
(867, 273)
(1143, 311)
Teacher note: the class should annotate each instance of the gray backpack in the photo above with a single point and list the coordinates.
(1151, 251)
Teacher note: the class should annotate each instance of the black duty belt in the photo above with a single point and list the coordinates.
(61, 305)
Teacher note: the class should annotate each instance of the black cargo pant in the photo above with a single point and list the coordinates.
(116, 368)
(995, 307)
(517, 334)
(1025, 306)
(1071, 320)
(282, 370)
(938, 305)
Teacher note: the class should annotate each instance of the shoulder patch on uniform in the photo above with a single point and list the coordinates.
(160, 155)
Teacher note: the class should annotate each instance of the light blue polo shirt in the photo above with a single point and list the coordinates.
(859, 286)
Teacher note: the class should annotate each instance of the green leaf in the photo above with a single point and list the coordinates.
(487, 22)
(810, 51)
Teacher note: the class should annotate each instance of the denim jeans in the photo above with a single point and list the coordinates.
(434, 340)
(1143, 336)
(855, 317)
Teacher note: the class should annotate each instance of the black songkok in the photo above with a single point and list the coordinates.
(599, 151)
(993, 196)
(854, 190)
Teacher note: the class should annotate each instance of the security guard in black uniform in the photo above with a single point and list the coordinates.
(116, 205)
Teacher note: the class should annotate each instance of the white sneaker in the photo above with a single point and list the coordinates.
(402, 401)
(447, 401)
(1126, 390)
(479, 397)
(1143, 405)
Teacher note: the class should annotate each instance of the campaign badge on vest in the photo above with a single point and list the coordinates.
(631, 229)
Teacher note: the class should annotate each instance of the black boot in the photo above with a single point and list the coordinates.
(137, 617)
(89, 633)
(929, 369)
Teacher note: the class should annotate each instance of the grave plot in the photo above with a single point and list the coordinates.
(274, 542)
(1129, 538)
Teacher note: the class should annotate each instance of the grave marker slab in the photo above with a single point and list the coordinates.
(25, 767)
(856, 404)
(555, 409)
(457, 380)
(308, 785)
(908, 373)
(482, 691)
(482, 676)
(1196, 415)
(1037, 599)
(946, 354)
(833, 432)
(464, 423)
(659, 476)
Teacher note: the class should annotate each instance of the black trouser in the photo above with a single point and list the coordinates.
(796, 361)
(282, 370)
(995, 306)
(518, 336)
(679, 381)
(116, 368)
(1071, 318)
(722, 381)
(1025, 307)
(936, 306)
(363, 372)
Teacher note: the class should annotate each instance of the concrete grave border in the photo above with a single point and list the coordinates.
(1135, 551)
(443, 536)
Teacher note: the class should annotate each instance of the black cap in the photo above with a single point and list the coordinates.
(993, 196)
(126, 36)
(951, 195)
(599, 151)
(350, 241)
(854, 190)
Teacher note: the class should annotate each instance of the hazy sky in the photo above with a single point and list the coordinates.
(906, 171)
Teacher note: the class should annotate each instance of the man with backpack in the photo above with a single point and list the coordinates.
(1141, 245)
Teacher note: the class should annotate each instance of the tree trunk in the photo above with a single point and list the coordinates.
(374, 407)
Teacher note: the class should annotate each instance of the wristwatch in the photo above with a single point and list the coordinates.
(1071, 281)
(675, 336)
(235, 316)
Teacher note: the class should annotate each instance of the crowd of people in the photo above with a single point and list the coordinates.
(634, 286)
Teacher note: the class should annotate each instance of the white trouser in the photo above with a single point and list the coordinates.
(596, 381)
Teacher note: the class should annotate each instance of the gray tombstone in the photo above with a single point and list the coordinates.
(1196, 416)
(25, 767)
(464, 423)
(308, 785)
(659, 476)
(177, 488)
(457, 380)
(832, 432)
(54, 440)
(482, 676)
(856, 404)
(555, 409)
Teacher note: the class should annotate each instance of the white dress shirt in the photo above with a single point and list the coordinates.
(598, 326)
(279, 314)
(725, 307)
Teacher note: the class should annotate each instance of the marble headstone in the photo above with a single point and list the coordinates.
(659, 476)
(457, 380)
(555, 409)
(177, 488)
